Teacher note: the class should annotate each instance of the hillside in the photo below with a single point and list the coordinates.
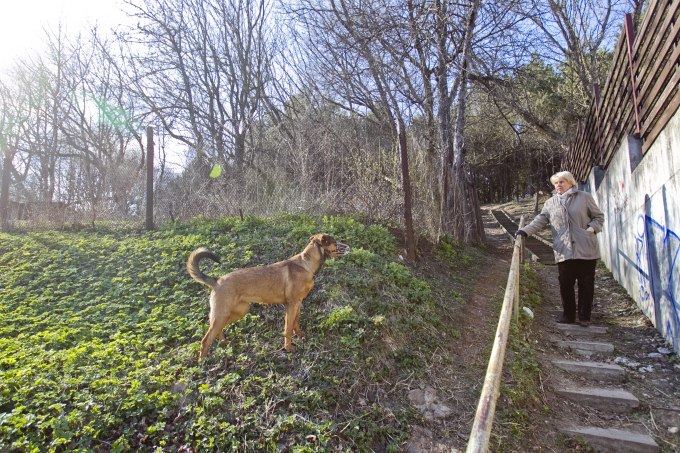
(99, 333)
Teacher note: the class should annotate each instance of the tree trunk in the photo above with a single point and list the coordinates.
(536, 201)
(431, 154)
(431, 166)
(444, 115)
(461, 217)
(149, 178)
(239, 152)
(408, 196)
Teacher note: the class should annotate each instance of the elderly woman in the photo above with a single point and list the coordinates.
(575, 219)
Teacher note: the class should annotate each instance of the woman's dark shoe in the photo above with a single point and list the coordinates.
(583, 323)
(563, 320)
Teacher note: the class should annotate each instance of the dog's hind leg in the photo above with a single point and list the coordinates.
(218, 321)
(216, 331)
(216, 326)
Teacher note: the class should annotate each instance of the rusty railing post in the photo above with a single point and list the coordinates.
(629, 28)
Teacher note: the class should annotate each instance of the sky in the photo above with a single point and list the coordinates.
(22, 25)
(22, 22)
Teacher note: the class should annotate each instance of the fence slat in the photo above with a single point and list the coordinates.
(649, 55)
(652, 11)
(672, 107)
(654, 65)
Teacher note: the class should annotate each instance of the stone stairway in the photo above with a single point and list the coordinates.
(593, 398)
(603, 396)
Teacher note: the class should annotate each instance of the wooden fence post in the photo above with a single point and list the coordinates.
(4, 188)
(149, 178)
(515, 270)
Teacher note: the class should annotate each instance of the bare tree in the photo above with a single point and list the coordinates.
(74, 144)
(575, 33)
(460, 209)
(358, 74)
(102, 132)
(202, 68)
(576, 37)
(12, 120)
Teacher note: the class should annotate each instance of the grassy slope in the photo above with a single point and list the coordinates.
(99, 333)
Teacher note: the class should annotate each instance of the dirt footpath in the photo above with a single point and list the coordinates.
(460, 375)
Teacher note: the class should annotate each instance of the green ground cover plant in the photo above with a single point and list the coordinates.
(520, 391)
(99, 335)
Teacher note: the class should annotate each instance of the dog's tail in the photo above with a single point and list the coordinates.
(195, 271)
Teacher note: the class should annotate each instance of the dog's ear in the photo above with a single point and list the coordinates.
(315, 238)
(327, 240)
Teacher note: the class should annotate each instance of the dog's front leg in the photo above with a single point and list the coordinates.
(292, 312)
(297, 331)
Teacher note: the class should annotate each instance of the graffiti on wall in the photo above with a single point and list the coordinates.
(620, 197)
(657, 249)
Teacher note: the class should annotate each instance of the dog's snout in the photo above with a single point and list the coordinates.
(342, 248)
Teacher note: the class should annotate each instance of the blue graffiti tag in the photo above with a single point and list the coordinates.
(639, 247)
(660, 242)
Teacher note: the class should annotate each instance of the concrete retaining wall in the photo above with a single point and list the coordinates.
(640, 243)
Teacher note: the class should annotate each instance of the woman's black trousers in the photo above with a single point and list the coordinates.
(571, 272)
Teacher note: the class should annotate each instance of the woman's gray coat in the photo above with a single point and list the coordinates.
(569, 223)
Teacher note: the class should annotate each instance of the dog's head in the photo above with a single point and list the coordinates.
(330, 248)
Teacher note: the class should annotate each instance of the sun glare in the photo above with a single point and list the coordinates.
(23, 23)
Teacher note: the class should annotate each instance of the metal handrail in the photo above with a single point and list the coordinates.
(486, 408)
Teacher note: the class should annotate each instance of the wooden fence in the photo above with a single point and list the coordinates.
(640, 95)
(486, 408)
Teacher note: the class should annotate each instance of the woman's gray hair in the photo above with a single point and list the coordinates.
(567, 176)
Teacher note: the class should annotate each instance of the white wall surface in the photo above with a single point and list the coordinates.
(640, 243)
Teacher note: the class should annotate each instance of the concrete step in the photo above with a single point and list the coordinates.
(601, 398)
(580, 331)
(597, 370)
(585, 347)
(614, 440)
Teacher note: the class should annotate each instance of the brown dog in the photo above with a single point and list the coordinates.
(286, 282)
